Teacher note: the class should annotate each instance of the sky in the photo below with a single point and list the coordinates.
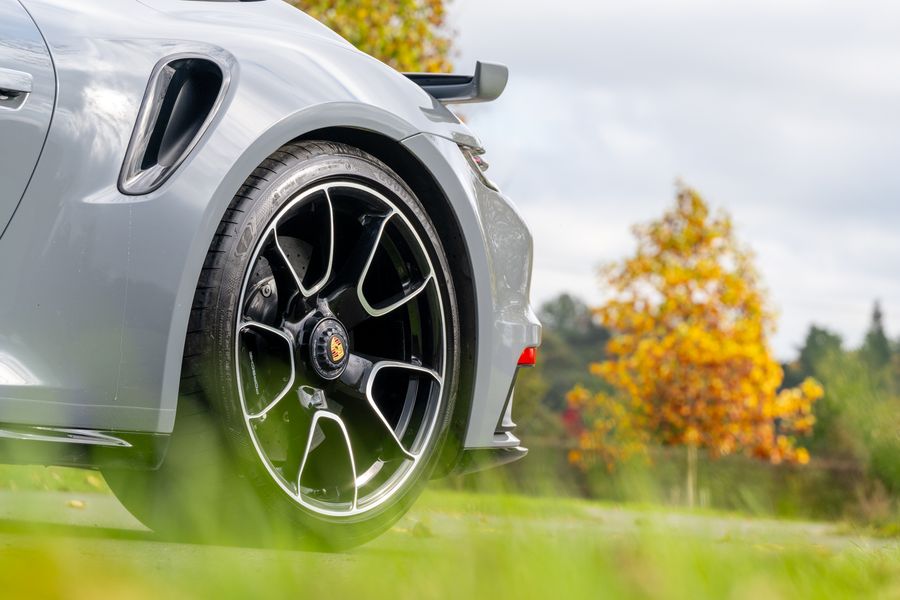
(786, 114)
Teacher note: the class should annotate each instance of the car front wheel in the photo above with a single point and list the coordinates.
(321, 363)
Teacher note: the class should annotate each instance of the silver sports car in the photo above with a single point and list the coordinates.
(257, 277)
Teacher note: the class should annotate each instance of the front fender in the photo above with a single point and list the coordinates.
(500, 251)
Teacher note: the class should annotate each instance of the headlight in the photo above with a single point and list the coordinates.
(475, 158)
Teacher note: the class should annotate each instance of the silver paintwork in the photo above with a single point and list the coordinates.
(16, 82)
(97, 285)
(28, 84)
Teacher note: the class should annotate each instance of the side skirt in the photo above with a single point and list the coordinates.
(38, 445)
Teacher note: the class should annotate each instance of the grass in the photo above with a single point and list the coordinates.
(50, 479)
(456, 545)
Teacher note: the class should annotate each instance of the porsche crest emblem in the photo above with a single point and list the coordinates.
(336, 346)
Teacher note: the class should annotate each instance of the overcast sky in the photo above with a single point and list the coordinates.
(787, 114)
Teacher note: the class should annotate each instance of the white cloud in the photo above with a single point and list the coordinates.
(783, 113)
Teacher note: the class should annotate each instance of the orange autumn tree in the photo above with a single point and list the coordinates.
(689, 362)
(409, 35)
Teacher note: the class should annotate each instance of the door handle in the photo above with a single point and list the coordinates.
(14, 88)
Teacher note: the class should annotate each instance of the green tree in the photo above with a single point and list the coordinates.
(857, 419)
(570, 317)
(409, 35)
(876, 350)
(570, 341)
(860, 418)
(820, 343)
(821, 350)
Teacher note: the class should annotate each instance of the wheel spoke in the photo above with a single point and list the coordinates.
(287, 246)
(391, 434)
(286, 338)
(358, 381)
(356, 375)
(349, 302)
(409, 293)
(370, 397)
(345, 301)
(317, 416)
(396, 364)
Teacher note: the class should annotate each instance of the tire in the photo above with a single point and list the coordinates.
(371, 367)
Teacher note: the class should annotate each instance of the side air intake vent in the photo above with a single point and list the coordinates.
(182, 98)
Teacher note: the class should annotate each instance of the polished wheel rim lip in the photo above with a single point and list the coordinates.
(423, 439)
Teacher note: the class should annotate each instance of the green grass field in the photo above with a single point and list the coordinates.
(452, 545)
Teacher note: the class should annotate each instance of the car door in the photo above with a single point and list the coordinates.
(27, 93)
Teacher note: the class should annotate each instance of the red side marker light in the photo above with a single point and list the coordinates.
(528, 357)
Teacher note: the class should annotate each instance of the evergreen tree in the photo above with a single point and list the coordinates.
(814, 356)
(876, 350)
(820, 344)
(570, 341)
(571, 318)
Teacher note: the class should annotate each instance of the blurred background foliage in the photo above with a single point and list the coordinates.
(852, 451)
(853, 472)
(409, 35)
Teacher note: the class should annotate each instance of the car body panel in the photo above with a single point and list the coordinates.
(507, 323)
(93, 332)
(24, 119)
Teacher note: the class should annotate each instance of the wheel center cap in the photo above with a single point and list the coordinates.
(329, 348)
